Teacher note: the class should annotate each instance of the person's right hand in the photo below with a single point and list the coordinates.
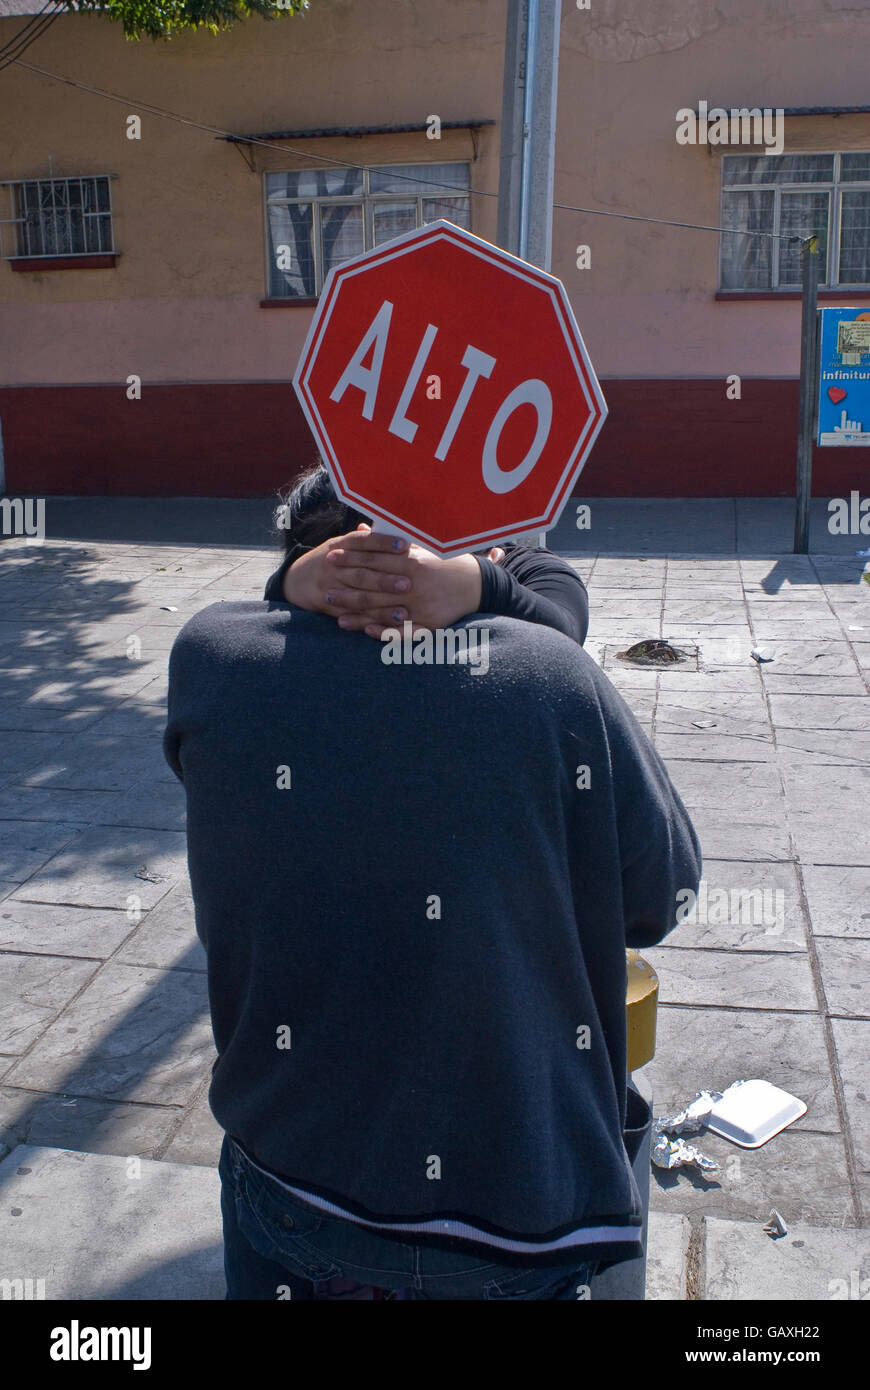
(375, 585)
(370, 581)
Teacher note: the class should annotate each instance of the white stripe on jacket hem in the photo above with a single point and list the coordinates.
(585, 1235)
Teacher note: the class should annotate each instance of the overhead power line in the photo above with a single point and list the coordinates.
(33, 29)
(366, 168)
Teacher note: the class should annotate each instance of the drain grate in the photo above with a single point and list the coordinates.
(652, 653)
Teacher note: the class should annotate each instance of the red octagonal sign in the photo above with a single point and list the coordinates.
(449, 389)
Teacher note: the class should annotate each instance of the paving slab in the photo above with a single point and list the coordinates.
(706, 1049)
(797, 656)
(749, 979)
(776, 683)
(771, 629)
(104, 867)
(136, 718)
(153, 805)
(33, 991)
(743, 679)
(78, 1122)
(754, 789)
(132, 1034)
(852, 1041)
(723, 837)
(624, 606)
(764, 910)
(45, 719)
(839, 899)
(811, 1262)
(834, 748)
(827, 813)
(22, 752)
(198, 1138)
(690, 703)
(821, 711)
(667, 1245)
(102, 762)
(57, 804)
(56, 929)
(95, 1226)
(726, 591)
(845, 966)
(709, 745)
(703, 612)
(26, 845)
(167, 935)
(802, 1175)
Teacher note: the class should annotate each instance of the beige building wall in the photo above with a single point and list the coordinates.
(647, 306)
(183, 302)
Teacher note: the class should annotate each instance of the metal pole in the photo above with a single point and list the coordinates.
(528, 132)
(539, 146)
(808, 408)
(512, 127)
(528, 129)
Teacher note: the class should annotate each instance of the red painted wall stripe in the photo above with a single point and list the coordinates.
(661, 439)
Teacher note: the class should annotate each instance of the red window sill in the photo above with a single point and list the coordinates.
(845, 296)
(103, 261)
(288, 303)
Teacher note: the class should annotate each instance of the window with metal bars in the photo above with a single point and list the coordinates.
(318, 218)
(60, 217)
(795, 195)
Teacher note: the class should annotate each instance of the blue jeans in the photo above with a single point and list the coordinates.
(278, 1247)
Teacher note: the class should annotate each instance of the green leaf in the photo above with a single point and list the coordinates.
(161, 19)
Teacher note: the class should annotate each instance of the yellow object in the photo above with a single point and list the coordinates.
(641, 998)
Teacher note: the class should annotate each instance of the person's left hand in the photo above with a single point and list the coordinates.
(442, 590)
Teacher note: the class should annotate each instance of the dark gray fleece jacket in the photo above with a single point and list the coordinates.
(415, 884)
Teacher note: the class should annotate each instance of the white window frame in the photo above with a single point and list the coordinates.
(368, 201)
(836, 187)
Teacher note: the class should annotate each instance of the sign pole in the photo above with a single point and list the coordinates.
(528, 143)
(809, 383)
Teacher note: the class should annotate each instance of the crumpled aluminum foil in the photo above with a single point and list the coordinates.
(676, 1153)
(691, 1120)
(673, 1153)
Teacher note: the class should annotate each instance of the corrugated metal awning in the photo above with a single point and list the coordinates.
(354, 131)
(795, 110)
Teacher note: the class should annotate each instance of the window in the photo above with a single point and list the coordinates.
(61, 217)
(319, 218)
(795, 194)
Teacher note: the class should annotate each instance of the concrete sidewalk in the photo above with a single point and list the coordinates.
(646, 525)
(105, 1044)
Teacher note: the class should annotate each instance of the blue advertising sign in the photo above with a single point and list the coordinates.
(844, 390)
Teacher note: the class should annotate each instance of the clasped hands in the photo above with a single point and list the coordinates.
(369, 581)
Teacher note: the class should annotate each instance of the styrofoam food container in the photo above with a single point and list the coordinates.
(751, 1114)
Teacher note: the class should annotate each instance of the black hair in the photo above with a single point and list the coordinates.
(311, 512)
